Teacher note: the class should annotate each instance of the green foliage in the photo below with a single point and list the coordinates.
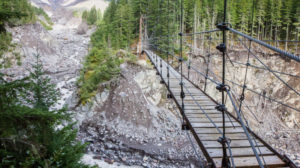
(44, 94)
(41, 12)
(100, 66)
(28, 133)
(5, 42)
(93, 16)
(15, 13)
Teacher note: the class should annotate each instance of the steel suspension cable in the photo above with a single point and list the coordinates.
(168, 71)
(245, 130)
(222, 108)
(242, 97)
(182, 95)
(256, 57)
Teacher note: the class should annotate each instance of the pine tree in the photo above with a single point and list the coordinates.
(43, 92)
(27, 131)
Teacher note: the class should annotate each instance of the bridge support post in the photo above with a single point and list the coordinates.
(222, 89)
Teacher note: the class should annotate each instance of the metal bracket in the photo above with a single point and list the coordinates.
(221, 87)
(221, 47)
(222, 26)
(221, 107)
(182, 95)
(185, 127)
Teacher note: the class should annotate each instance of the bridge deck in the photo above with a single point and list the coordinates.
(197, 104)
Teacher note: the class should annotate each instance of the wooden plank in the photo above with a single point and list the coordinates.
(201, 115)
(220, 125)
(238, 152)
(198, 108)
(214, 130)
(233, 144)
(194, 98)
(200, 104)
(212, 137)
(250, 162)
(206, 120)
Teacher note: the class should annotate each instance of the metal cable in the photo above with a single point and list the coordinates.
(259, 94)
(257, 67)
(287, 54)
(269, 69)
(245, 130)
(196, 153)
(218, 129)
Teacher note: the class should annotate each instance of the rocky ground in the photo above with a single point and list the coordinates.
(133, 122)
(61, 50)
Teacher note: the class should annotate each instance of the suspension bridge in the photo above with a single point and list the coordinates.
(226, 140)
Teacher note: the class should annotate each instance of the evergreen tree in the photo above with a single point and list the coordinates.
(28, 133)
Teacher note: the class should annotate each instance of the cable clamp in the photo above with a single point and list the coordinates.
(225, 140)
(182, 95)
(221, 47)
(222, 88)
(221, 107)
(222, 26)
(242, 98)
(185, 127)
(180, 34)
(180, 59)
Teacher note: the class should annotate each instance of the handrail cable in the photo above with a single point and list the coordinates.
(255, 56)
(285, 53)
(245, 130)
(242, 96)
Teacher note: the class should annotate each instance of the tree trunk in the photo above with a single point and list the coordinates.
(139, 47)
(286, 37)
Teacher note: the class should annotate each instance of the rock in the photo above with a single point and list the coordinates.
(97, 157)
(109, 161)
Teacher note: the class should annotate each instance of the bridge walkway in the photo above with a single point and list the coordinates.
(205, 123)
